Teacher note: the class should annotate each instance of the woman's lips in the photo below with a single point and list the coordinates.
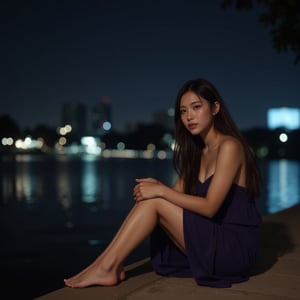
(192, 126)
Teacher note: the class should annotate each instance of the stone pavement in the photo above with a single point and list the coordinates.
(275, 276)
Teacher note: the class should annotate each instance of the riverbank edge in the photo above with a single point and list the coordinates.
(275, 276)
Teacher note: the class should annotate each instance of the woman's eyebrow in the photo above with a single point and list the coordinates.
(194, 102)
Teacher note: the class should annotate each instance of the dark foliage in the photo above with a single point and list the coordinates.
(282, 16)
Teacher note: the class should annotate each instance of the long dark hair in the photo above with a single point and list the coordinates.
(188, 148)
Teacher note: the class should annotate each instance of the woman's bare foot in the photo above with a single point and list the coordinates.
(95, 274)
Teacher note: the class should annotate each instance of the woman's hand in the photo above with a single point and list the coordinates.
(147, 188)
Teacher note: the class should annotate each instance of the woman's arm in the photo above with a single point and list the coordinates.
(228, 165)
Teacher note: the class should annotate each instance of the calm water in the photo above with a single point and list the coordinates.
(58, 213)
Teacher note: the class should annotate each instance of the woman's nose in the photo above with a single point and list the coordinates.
(189, 115)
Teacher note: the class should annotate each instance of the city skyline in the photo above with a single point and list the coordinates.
(138, 54)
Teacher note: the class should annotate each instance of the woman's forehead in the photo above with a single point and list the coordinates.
(190, 97)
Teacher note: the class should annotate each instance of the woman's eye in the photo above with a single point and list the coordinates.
(197, 106)
(182, 111)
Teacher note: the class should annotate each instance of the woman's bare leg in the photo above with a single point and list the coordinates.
(122, 274)
(107, 269)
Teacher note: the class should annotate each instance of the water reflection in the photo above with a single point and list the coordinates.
(7, 186)
(29, 186)
(86, 185)
(64, 184)
(90, 183)
(283, 184)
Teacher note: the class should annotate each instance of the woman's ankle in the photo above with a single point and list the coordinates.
(110, 264)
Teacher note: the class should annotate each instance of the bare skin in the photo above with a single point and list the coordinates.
(107, 269)
(157, 204)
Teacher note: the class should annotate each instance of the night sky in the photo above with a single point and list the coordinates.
(138, 53)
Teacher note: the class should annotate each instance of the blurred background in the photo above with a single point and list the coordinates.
(87, 92)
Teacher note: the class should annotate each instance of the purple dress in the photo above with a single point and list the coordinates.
(219, 251)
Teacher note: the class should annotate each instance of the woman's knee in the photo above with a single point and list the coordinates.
(152, 203)
(162, 207)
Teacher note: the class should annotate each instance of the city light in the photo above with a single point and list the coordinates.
(168, 139)
(147, 154)
(106, 126)
(162, 154)
(120, 146)
(278, 139)
(151, 147)
(262, 152)
(90, 145)
(7, 141)
(88, 141)
(115, 153)
(28, 143)
(283, 137)
(64, 130)
(62, 141)
(68, 128)
(171, 112)
(286, 117)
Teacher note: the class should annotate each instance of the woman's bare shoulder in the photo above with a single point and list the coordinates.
(230, 142)
(231, 146)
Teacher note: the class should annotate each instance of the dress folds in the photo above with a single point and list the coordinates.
(219, 251)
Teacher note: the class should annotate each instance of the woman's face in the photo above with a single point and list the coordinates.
(196, 113)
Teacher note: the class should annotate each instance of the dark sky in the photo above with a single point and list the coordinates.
(138, 53)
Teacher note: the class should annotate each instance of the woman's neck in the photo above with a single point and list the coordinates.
(211, 141)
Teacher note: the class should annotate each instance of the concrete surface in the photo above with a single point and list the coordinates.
(275, 276)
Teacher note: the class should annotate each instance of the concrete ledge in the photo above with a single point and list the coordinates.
(275, 276)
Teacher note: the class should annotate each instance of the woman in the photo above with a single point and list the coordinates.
(206, 226)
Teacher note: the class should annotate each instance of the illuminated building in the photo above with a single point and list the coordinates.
(75, 115)
(283, 117)
(165, 118)
(101, 120)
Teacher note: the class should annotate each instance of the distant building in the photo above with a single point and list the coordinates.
(283, 117)
(101, 116)
(165, 118)
(74, 114)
